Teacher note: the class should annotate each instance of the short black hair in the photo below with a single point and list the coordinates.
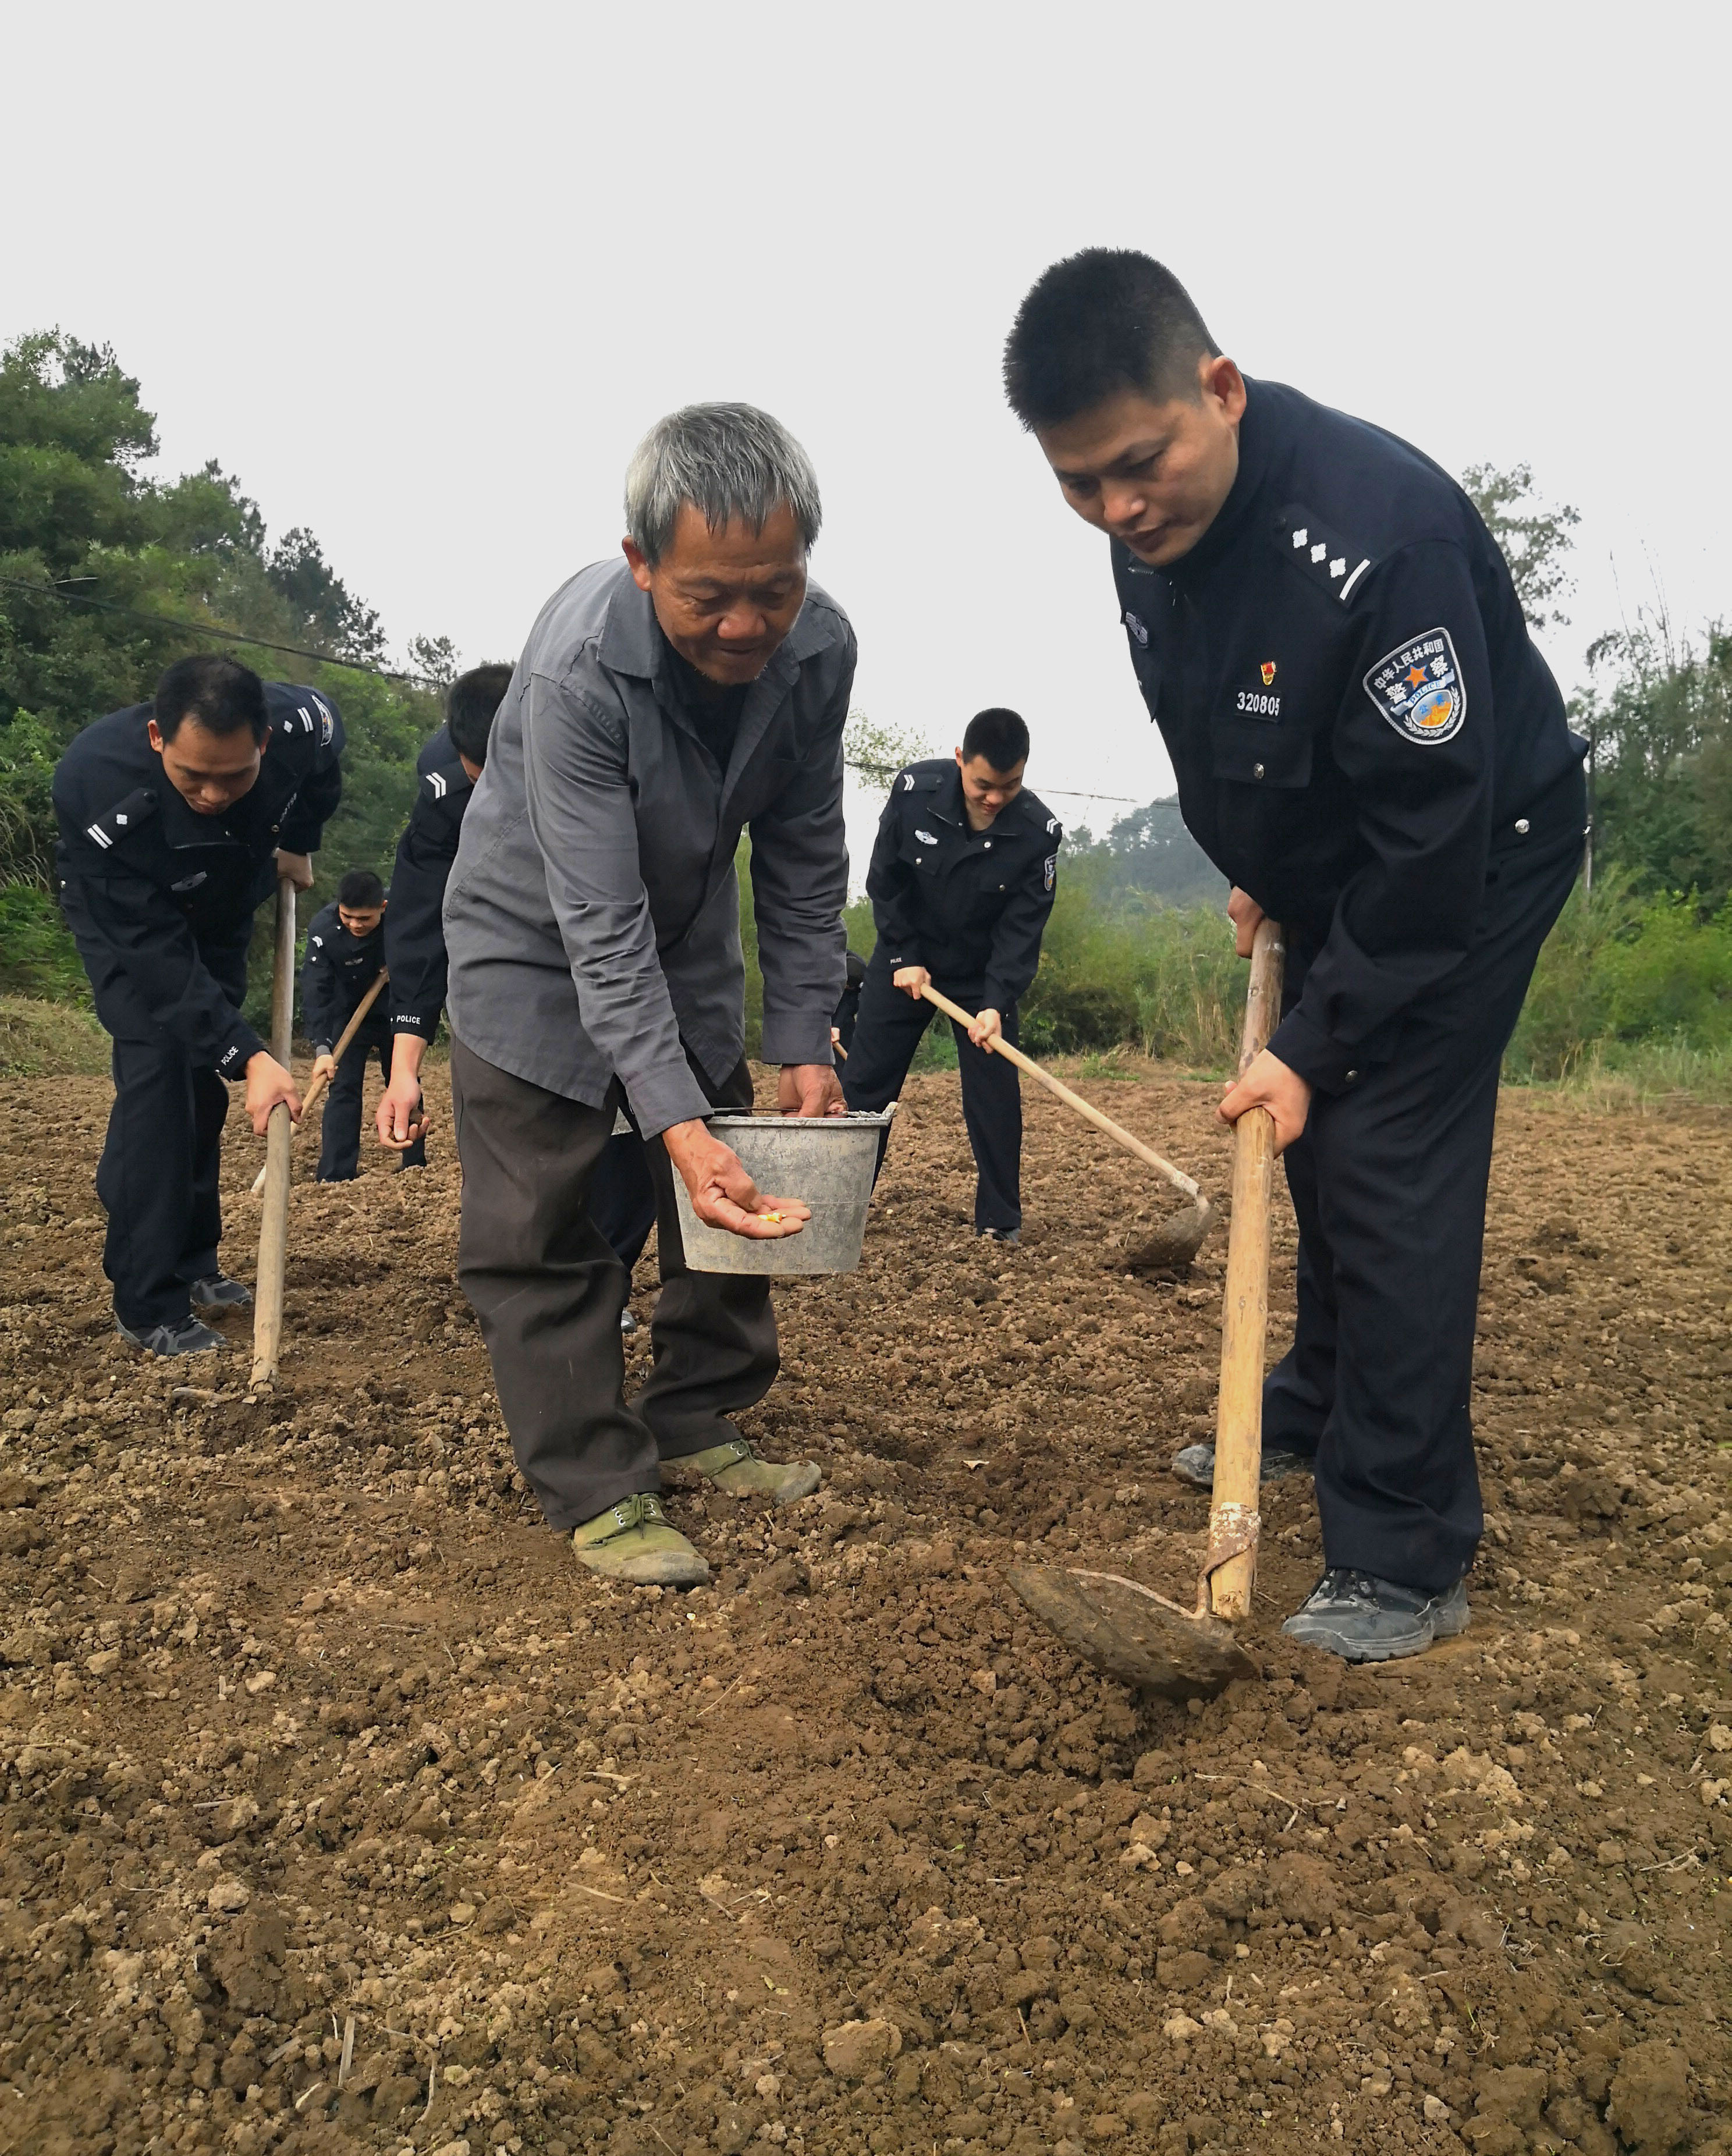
(470, 703)
(360, 891)
(1000, 736)
(1096, 324)
(221, 694)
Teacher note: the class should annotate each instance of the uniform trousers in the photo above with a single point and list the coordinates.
(885, 1035)
(1389, 1187)
(548, 1290)
(157, 1180)
(340, 1137)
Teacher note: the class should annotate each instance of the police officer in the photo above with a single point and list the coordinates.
(961, 883)
(846, 1015)
(1369, 748)
(345, 950)
(176, 818)
(622, 1199)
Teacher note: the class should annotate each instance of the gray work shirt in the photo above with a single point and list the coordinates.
(592, 917)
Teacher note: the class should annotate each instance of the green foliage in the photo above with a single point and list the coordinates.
(37, 957)
(77, 519)
(1536, 541)
(1135, 972)
(1623, 971)
(1659, 717)
(1148, 854)
(877, 752)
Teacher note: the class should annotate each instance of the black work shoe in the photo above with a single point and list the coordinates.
(1010, 1236)
(219, 1292)
(1366, 1620)
(1195, 1464)
(186, 1336)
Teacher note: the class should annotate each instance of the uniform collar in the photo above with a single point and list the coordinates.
(1254, 452)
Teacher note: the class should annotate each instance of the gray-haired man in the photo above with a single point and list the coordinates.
(662, 705)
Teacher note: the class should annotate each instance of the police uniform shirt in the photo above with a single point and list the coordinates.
(337, 971)
(968, 905)
(160, 899)
(1356, 715)
(414, 932)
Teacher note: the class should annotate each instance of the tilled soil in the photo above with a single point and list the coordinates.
(342, 1812)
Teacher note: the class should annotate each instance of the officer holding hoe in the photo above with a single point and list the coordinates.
(1369, 748)
(177, 817)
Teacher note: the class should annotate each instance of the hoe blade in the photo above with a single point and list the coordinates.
(1133, 1634)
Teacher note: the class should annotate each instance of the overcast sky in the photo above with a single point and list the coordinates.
(421, 277)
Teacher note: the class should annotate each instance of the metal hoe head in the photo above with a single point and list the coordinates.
(1130, 1633)
(1174, 1243)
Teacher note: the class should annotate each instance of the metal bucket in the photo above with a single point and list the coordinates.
(826, 1162)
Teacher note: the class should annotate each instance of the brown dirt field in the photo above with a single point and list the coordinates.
(308, 1728)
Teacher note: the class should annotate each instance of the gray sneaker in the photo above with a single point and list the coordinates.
(219, 1292)
(186, 1336)
(1195, 1464)
(1364, 1619)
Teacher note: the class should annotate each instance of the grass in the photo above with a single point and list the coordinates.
(40, 1039)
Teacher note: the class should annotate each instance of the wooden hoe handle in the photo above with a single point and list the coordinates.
(274, 1228)
(1234, 1519)
(1176, 1176)
(310, 1096)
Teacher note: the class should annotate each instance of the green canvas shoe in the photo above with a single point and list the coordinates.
(736, 1468)
(632, 1541)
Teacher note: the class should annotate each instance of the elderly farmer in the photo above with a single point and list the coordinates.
(663, 705)
(1369, 748)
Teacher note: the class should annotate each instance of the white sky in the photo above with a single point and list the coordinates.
(420, 276)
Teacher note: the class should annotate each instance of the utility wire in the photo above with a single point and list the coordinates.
(878, 771)
(225, 635)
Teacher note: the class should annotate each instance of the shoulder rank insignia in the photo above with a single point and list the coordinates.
(1418, 688)
(437, 784)
(1324, 557)
(138, 808)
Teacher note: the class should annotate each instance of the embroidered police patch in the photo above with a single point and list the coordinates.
(926, 838)
(1051, 870)
(1418, 688)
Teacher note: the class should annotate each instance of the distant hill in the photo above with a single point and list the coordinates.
(1149, 851)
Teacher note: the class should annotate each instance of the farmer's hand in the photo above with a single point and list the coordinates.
(297, 867)
(1245, 913)
(911, 980)
(268, 1083)
(1269, 1083)
(810, 1089)
(723, 1195)
(402, 1117)
(324, 1065)
(987, 1026)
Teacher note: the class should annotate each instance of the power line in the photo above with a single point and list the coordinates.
(224, 635)
(879, 771)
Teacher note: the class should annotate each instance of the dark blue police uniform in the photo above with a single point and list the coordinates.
(1367, 741)
(160, 900)
(337, 972)
(971, 906)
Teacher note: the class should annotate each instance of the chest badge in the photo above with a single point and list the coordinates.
(1267, 671)
(926, 838)
(1418, 688)
(1138, 628)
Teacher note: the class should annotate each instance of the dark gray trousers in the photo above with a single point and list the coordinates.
(548, 1291)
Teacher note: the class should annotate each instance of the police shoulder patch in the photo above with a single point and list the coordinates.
(138, 808)
(1418, 688)
(1049, 871)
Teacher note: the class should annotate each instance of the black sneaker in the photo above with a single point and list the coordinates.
(219, 1292)
(1366, 1620)
(1195, 1464)
(1010, 1236)
(186, 1336)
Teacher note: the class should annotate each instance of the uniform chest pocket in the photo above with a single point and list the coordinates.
(920, 854)
(1251, 752)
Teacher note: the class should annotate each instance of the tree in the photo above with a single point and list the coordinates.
(1535, 541)
(877, 752)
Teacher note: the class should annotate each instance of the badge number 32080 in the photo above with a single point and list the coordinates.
(1257, 706)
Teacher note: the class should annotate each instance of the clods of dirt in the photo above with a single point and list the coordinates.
(338, 1811)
